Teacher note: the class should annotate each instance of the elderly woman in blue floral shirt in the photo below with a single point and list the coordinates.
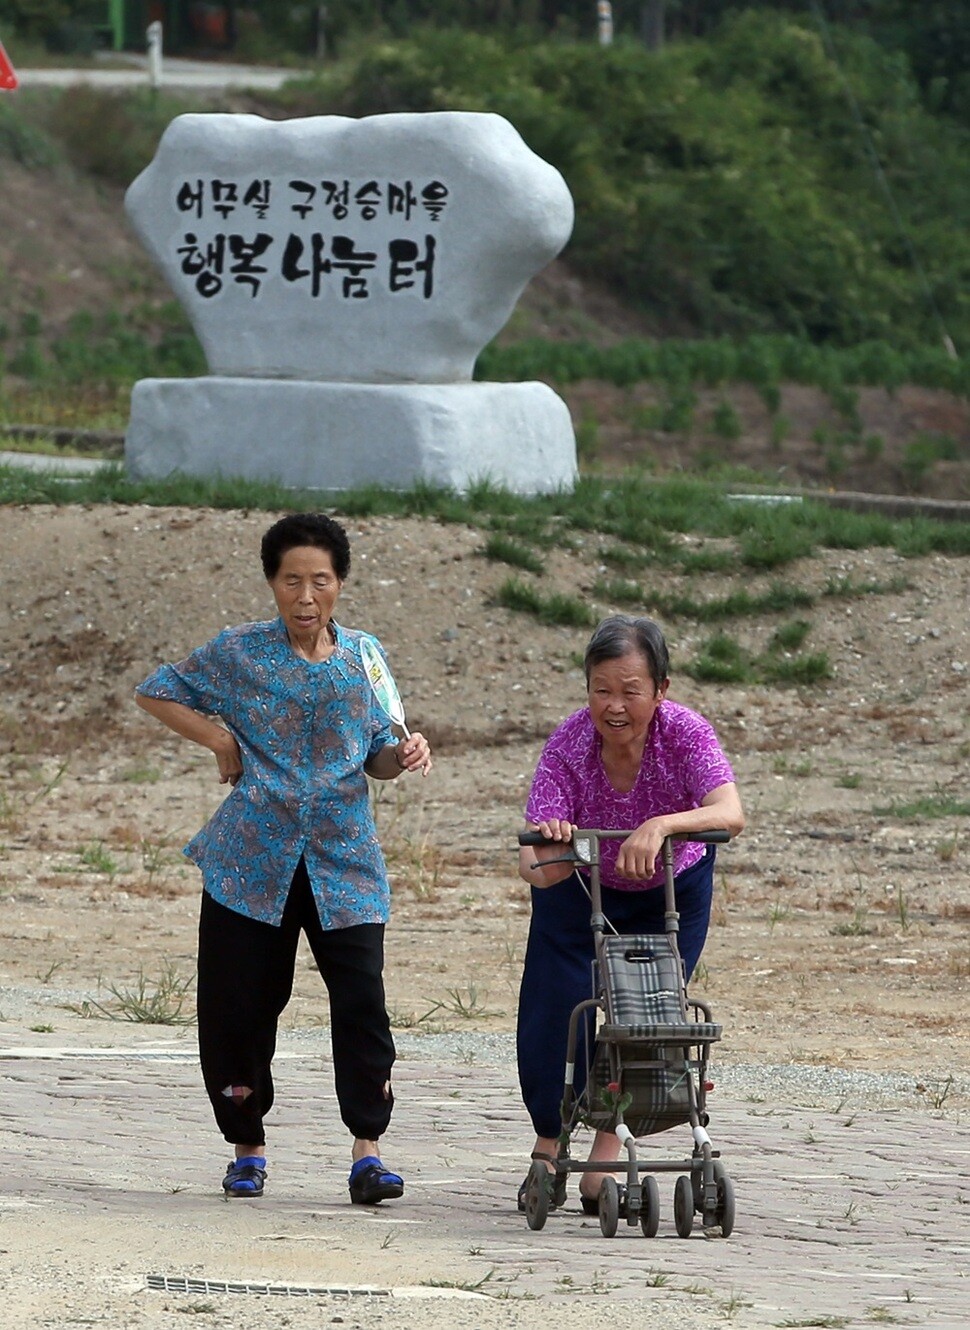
(292, 848)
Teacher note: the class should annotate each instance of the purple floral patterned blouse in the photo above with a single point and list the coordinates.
(305, 731)
(682, 763)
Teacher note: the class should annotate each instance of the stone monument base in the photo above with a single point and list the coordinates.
(337, 436)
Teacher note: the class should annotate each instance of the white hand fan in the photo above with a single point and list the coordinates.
(382, 682)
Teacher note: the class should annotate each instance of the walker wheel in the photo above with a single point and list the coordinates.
(537, 1196)
(609, 1207)
(649, 1206)
(683, 1206)
(725, 1200)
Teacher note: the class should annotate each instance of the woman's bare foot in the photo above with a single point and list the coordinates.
(605, 1147)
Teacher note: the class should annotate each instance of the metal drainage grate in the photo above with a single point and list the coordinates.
(177, 1284)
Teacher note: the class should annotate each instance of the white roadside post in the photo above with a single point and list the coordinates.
(154, 35)
(604, 16)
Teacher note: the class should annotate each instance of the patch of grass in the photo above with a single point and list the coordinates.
(726, 422)
(805, 670)
(619, 591)
(845, 589)
(722, 660)
(779, 597)
(927, 806)
(503, 549)
(707, 561)
(774, 545)
(96, 859)
(790, 636)
(140, 774)
(634, 512)
(554, 609)
(851, 780)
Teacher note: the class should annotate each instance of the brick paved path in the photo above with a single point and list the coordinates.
(112, 1165)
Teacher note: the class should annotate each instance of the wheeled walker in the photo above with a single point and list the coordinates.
(646, 1072)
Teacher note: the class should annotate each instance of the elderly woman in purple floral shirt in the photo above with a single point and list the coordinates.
(631, 758)
(292, 848)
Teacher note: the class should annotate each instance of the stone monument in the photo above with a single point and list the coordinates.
(342, 276)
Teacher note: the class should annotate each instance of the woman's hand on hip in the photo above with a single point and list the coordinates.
(229, 758)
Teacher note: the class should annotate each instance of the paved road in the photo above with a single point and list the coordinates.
(132, 72)
(844, 1218)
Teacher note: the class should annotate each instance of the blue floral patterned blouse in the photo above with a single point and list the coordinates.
(305, 731)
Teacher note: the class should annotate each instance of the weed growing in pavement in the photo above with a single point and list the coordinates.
(466, 1285)
(147, 1002)
(939, 1093)
(807, 1323)
(408, 1020)
(733, 1304)
(465, 1002)
(851, 780)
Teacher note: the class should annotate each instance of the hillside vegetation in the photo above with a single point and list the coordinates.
(771, 202)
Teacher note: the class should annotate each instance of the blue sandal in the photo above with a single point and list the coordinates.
(245, 1177)
(370, 1182)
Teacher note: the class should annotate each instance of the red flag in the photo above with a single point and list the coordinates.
(8, 75)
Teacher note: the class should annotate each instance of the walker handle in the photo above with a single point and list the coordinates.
(705, 837)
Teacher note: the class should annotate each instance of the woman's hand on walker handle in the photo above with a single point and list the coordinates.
(555, 830)
(638, 855)
(545, 865)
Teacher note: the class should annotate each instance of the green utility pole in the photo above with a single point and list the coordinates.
(116, 20)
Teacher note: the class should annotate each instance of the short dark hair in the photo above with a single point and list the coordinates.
(615, 636)
(316, 529)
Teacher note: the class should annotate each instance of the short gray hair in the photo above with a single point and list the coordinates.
(615, 636)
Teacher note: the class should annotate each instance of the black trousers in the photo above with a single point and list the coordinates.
(246, 973)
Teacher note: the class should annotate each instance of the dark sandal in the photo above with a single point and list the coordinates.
(590, 1204)
(557, 1198)
(245, 1178)
(370, 1182)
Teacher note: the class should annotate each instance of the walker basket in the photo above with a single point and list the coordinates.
(644, 1046)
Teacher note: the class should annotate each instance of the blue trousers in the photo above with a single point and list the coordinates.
(558, 972)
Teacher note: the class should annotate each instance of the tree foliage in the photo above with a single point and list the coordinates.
(727, 180)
